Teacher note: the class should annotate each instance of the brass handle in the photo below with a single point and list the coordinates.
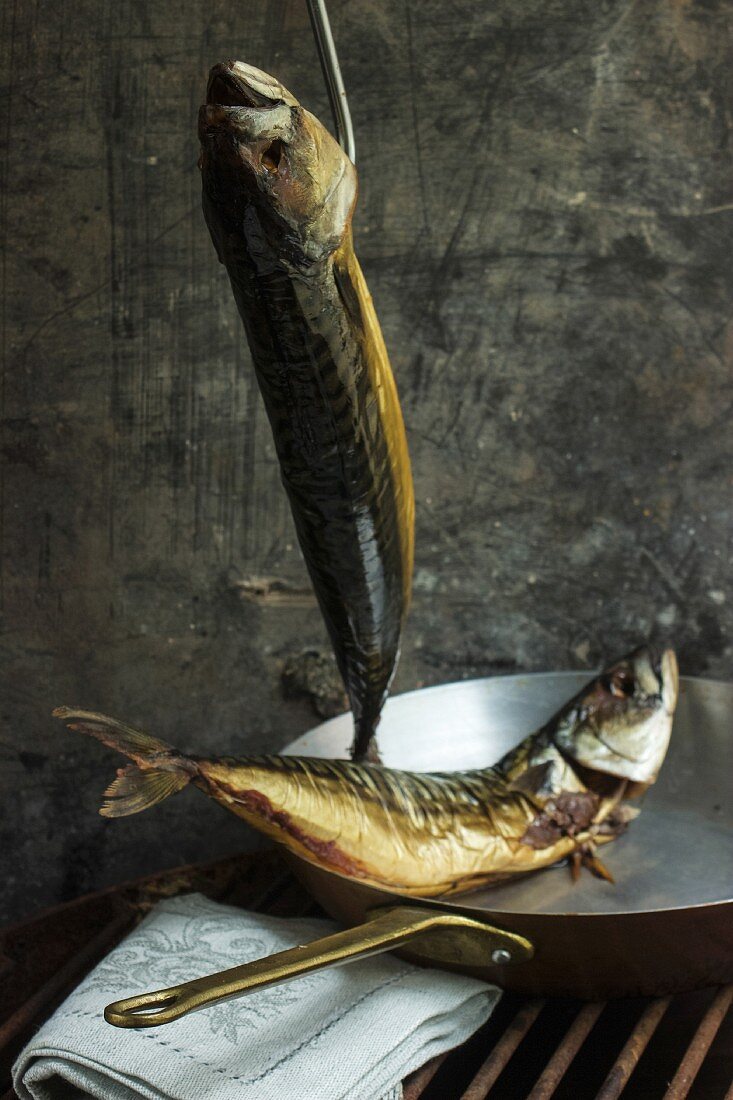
(448, 937)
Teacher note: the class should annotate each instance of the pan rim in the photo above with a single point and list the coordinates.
(459, 903)
(292, 748)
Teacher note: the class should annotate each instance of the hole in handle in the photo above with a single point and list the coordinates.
(142, 1010)
(150, 1009)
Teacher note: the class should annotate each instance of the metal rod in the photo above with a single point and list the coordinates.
(332, 76)
(414, 1086)
(701, 1042)
(558, 1065)
(633, 1049)
(500, 1056)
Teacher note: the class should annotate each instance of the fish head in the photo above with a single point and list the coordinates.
(621, 723)
(273, 176)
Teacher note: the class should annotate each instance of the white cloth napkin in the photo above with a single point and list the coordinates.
(350, 1033)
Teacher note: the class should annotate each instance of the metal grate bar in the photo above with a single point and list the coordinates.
(701, 1042)
(414, 1086)
(633, 1049)
(487, 1076)
(558, 1065)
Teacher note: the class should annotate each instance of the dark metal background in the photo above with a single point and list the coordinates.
(545, 224)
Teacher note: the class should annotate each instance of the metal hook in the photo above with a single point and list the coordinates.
(332, 76)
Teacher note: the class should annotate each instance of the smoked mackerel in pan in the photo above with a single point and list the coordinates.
(560, 793)
(278, 197)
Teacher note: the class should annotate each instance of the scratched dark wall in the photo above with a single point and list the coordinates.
(545, 224)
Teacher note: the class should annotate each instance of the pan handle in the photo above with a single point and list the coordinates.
(447, 937)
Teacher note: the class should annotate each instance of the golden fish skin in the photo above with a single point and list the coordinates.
(278, 197)
(440, 833)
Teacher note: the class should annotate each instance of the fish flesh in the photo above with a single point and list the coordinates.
(561, 792)
(278, 197)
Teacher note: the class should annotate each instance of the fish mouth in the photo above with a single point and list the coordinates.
(226, 89)
(236, 84)
(647, 671)
(662, 664)
(670, 677)
(245, 102)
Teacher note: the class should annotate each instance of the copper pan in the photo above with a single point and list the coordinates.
(666, 925)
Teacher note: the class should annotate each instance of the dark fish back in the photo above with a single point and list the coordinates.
(425, 798)
(333, 449)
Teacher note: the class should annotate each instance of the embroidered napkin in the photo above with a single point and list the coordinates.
(349, 1033)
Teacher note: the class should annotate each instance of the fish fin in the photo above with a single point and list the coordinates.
(575, 865)
(531, 781)
(369, 756)
(598, 868)
(625, 814)
(134, 743)
(616, 822)
(136, 789)
(158, 770)
(589, 859)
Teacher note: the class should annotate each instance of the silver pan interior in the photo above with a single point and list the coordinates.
(678, 853)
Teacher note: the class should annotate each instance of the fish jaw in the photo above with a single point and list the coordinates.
(621, 724)
(236, 83)
(264, 153)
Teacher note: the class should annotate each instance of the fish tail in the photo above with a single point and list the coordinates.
(364, 748)
(157, 771)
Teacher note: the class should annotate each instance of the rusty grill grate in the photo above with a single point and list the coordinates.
(669, 1048)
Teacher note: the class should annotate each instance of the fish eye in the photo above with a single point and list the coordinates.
(621, 684)
(272, 155)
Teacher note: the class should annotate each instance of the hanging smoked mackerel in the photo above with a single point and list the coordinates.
(278, 197)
